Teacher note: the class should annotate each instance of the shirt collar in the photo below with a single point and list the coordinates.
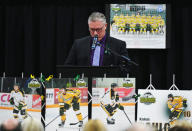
(103, 39)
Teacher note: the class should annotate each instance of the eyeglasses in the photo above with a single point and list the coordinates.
(98, 30)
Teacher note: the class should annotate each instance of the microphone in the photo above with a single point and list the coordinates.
(95, 39)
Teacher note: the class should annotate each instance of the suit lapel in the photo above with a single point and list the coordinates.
(87, 50)
(106, 53)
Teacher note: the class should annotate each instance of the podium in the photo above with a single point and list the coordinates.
(92, 71)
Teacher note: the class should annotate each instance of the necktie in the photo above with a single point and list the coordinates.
(96, 56)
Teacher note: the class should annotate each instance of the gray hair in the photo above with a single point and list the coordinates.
(97, 16)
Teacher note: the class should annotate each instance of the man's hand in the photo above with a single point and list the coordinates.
(20, 106)
(76, 99)
(109, 108)
(185, 103)
(11, 101)
(121, 107)
(172, 109)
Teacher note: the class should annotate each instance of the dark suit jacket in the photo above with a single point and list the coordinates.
(81, 50)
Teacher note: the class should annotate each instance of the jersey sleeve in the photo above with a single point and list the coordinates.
(77, 93)
(60, 97)
(11, 94)
(116, 97)
(169, 105)
(21, 98)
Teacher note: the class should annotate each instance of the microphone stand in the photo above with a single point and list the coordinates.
(129, 61)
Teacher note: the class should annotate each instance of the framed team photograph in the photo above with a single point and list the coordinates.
(20, 98)
(113, 102)
(66, 104)
(141, 26)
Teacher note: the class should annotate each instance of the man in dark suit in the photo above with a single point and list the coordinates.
(85, 53)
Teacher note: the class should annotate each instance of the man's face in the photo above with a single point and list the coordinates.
(16, 88)
(64, 91)
(113, 87)
(170, 99)
(97, 28)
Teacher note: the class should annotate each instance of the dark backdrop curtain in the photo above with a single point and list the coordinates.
(35, 38)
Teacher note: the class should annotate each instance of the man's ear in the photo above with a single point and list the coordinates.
(105, 26)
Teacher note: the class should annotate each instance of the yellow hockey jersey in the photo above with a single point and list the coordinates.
(69, 96)
(176, 104)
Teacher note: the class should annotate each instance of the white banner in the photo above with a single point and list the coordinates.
(4, 100)
(49, 96)
(29, 100)
(97, 94)
(153, 107)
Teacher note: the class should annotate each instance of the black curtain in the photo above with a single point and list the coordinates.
(37, 37)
